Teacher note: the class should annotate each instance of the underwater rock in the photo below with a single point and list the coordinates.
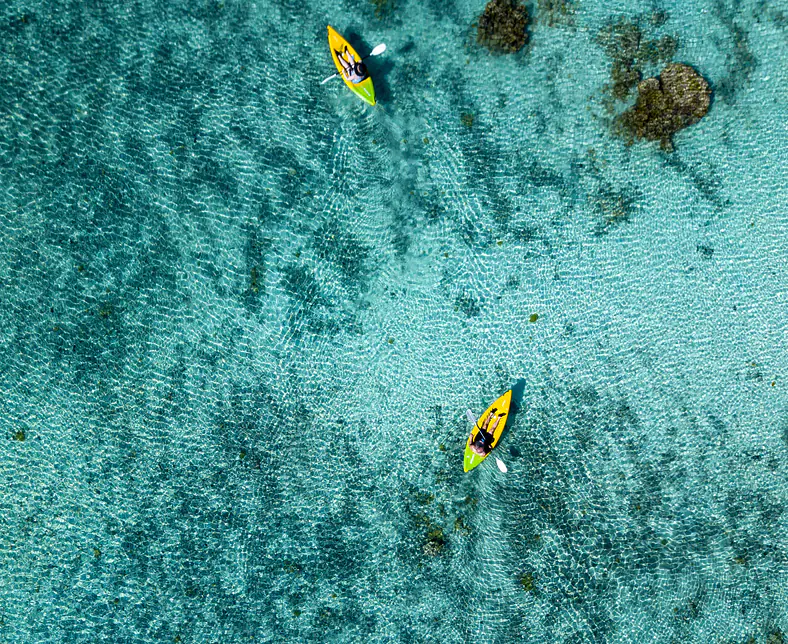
(742, 62)
(435, 542)
(501, 27)
(527, 582)
(432, 548)
(678, 98)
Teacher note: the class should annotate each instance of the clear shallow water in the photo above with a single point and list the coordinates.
(241, 325)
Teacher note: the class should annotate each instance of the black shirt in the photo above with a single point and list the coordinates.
(484, 440)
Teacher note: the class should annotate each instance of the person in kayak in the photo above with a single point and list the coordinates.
(482, 444)
(355, 72)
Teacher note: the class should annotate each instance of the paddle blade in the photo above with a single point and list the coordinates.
(378, 50)
(325, 80)
(469, 415)
(501, 465)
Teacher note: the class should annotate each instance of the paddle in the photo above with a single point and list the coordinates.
(472, 419)
(375, 52)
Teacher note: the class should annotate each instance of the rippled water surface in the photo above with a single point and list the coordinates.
(242, 315)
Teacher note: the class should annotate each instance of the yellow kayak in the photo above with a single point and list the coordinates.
(501, 407)
(347, 60)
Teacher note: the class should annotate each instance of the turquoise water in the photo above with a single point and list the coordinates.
(241, 322)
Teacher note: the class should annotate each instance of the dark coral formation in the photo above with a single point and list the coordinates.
(461, 526)
(435, 542)
(528, 582)
(658, 51)
(678, 98)
(501, 27)
(623, 41)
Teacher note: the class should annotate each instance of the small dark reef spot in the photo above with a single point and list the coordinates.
(467, 304)
(435, 542)
(706, 251)
(461, 526)
(528, 582)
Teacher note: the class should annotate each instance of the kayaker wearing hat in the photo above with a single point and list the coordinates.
(482, 444)
(355, 72)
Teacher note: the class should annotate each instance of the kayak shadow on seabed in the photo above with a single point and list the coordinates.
(379, 69)
(518, 391)
(358, 42)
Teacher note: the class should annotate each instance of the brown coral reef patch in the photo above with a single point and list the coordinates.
(502, 26)
(678, 98)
